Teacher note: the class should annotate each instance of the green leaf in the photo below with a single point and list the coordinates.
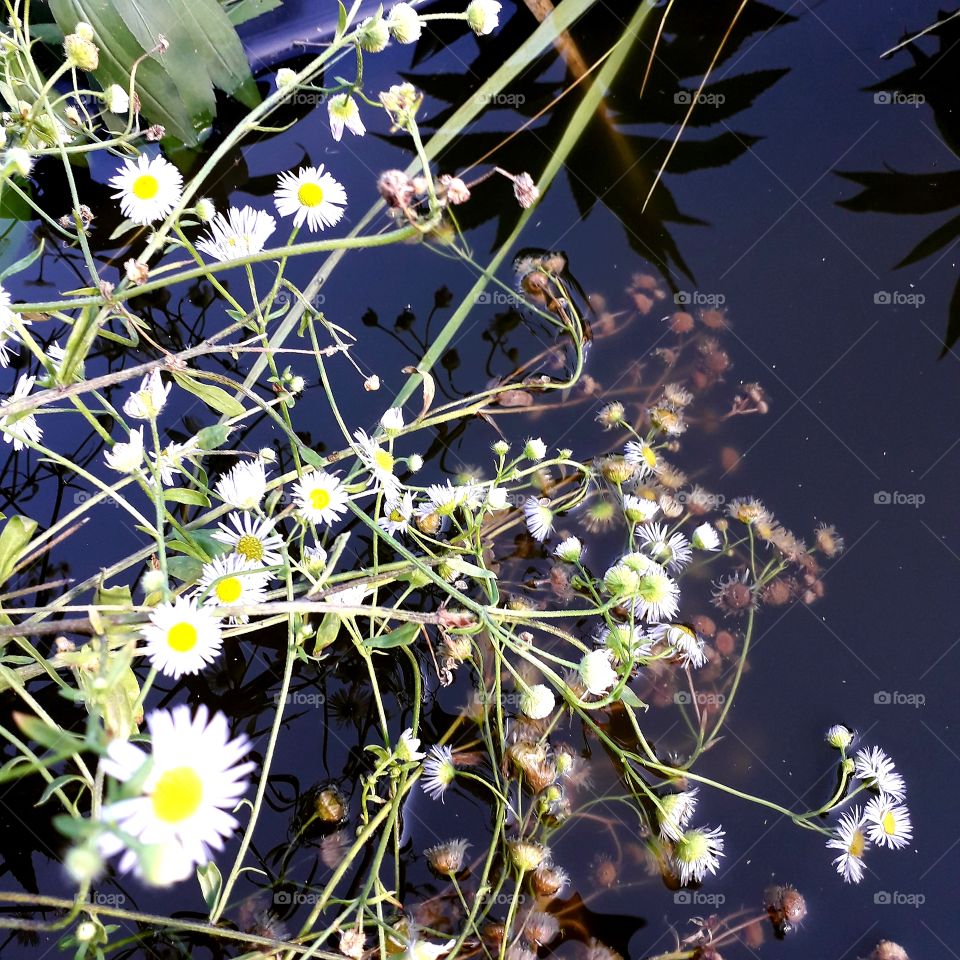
(212, 438)
(326, 632)
(403, 636)
(241, 11)
(113, 597)
(14, 541)
(21, 264)
(185, 569)
(312, 458)
(56, 784)
(78, 345)
(52, 738)
(212, 396)
(210, 883)
(341, 19)
(194, 498)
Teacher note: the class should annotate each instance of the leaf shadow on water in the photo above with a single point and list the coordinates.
(616, 160)
(930, 79)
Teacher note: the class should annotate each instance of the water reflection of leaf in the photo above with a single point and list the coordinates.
(614, 164)
(931, 81)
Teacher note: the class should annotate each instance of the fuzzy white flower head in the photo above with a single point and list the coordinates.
(242, 232)
(414, 463)
(705, 538)
(676, 809)
(183, 811)
(851, 840)
(641, 455)
(596, 672)
(181, 638)
(878, 771)
(116, 99)
(20, 160)
(418, 949)
(148, 189)
(639, 509)
(408, 747)
(839, 737)
(244, 486)
(535, 449)
(8, 332)
(379, 461)
(439, 771)
(497, 498)
(483, 16)
(397, 514)
(888, 822)
(148, 402)
(251, 537)
(285, 77)
(20, 428)
(392, 421)
(126, 457)
(404, 24)
(537, 702)
(345, 114)
(570, 550)
(205, 209)
(310, 196)
(697, 853)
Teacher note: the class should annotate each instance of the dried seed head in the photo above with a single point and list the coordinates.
(446, 858)
(397, 189)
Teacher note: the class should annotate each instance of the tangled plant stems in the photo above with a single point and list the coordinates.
(157, 792)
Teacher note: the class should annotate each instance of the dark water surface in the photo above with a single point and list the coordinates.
(861, 433)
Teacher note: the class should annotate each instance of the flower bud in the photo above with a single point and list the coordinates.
(404, 23)
(81, 52)
(373, 35)
(285, 77)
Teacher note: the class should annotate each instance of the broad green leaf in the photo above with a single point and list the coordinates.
(240, 11)
(210, 883)
(212, 396)
(113, 596)
(212, 438)
(185, 569)
(22, 264)
(56, 784)
(312, 458)
(326, 632)
(403, 636)
(14, 541)
(194, 498)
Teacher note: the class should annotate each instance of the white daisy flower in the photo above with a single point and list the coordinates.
(310, 195)
(344, 113)
(348, 596)
(148, 189)
(181, 638)
(439, 771)
(706, 538)
(684, 640)
(539, 517)
(147, 402)
(20, 428)
(657, 596)
(851, 839)
(244, 486)
(446, 497)
(126, 457)
(172, 457)
(569, 550)
(483, 16)
(252, 538)
(320, 497)
(229, 581)
(496, 499)
(537, 702)
(240, 233)
(698, 853)
(408, 748)
(641, 455)
(183, 811)
(397, 514)
(379, 461)
(596, 672)
(888, 822)
(671, 551)
(675, 812)
(8, 333)
(877, 770)
(639, 509)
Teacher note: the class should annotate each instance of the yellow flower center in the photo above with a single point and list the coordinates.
(182, 637)
(177, 795)
(649, 456)
(857, 844)
(384, 460)
(319, 498)
(310, 194)
(229, 590)
(889, 824)
(146, 186)
(250, 547)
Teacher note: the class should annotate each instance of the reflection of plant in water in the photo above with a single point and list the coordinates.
(928, 81)
(250, 593)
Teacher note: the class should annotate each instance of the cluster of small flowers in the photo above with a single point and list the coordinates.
(884, 820)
